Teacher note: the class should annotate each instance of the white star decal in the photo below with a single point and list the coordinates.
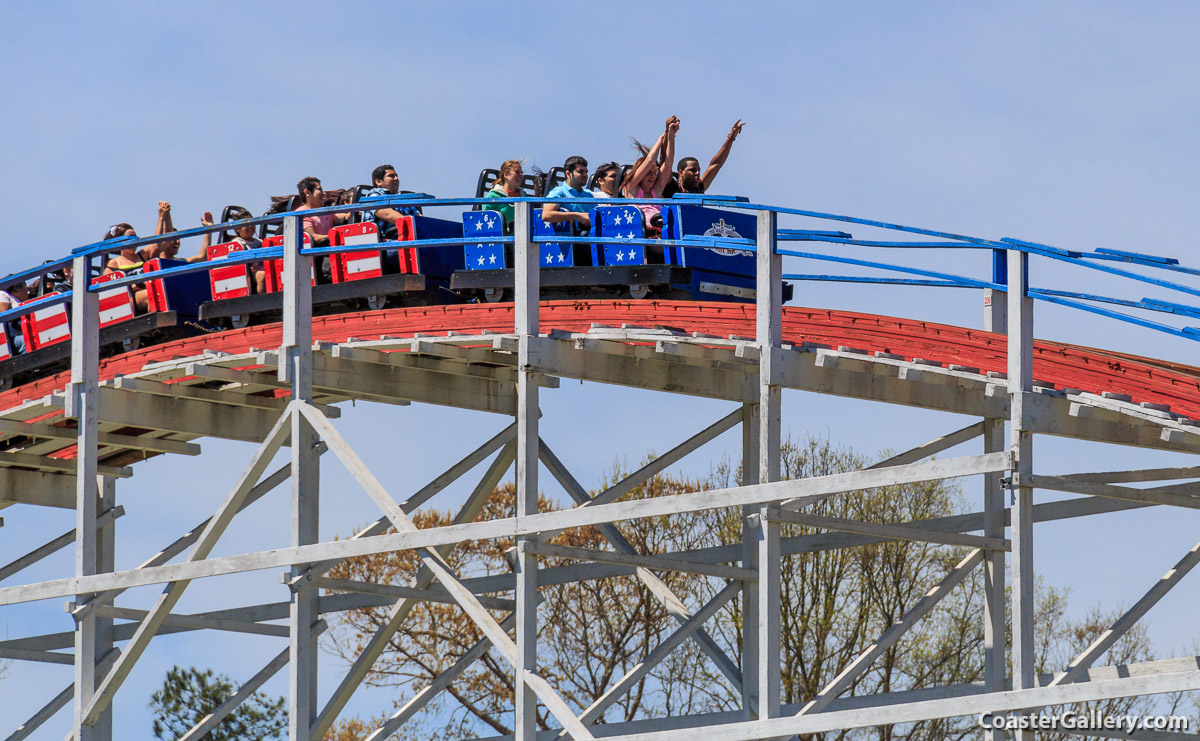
(549, 259)
(560, 258)
(492, 260)
(478, 226)
(628, 217)
(481, 259)
(620, 255)
(630, 235)
(491, 223)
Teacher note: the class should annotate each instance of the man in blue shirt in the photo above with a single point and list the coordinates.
(387, 183)
(555, 213)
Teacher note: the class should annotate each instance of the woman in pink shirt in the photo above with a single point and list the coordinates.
(316, 226)
(649, 176)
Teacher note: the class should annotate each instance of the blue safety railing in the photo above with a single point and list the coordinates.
(1160, 272)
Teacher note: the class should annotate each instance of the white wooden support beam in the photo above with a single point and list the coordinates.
(889, 531)
(513, 527)
(40, 657)
(378, 642)
(656, 586)
(260, 378)
(949, 707)
(56, 465)
(196, 622)
(104, 693)
(1172, 495)
(396, 591)
(396, 383)
(1141, 474)
(995, 310)
(1020, 389)
(527, 305)
(250, 614)
(83, 405)
(40, 488)
(430, 363)
(621, 364)
(185, 416)
(814, 543)
(106, 543)
(751, 526)
(295, 354)
(847, 705)
(133, 442)
(296, 369)
(183, 391)
(654, 563)
(769, 339)
(995, 622)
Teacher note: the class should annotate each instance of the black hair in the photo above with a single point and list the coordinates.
(573, 162)
(307, 184)
(683, 163)
(378, 173)
(237, 213)
(603, 170)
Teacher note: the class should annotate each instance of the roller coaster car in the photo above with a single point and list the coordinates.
(364, 278)
(568, 269)
(640, 271)
(173, 305)
(717, 273)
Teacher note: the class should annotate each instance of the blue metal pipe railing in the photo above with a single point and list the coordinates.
(897, 268)
(1099, 259)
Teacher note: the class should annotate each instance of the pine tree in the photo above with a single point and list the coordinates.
(189, 695)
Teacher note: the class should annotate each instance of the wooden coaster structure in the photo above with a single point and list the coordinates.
(84, 430)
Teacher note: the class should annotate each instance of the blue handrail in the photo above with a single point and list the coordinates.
(898, 268)
(1100, 259)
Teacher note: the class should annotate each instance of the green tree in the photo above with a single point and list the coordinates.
(189, 695)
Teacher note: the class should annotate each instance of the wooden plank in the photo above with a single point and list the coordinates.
(1175, 495)
(133, 442)
(58, 465)
(654, 563)
(891, 532)
(512, 527)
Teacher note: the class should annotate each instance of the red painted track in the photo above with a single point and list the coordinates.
(1066, 366)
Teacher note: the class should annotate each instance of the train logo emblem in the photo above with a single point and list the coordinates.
(721, 229)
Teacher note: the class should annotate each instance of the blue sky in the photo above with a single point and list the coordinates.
(1067, 123)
